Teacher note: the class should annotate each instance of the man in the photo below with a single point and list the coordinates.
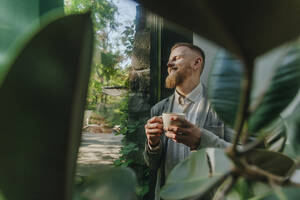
(201, 128)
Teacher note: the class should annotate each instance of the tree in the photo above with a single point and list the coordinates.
(106, 69)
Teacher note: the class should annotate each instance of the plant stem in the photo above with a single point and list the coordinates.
(215, 184)
(245, 102)
(224, 191)
(260, 174)
(247, 148)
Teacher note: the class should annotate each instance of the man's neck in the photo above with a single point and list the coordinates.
(187, 86)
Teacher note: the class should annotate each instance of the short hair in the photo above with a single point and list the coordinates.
(192, 47)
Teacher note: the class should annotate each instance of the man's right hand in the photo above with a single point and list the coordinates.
(154, 129)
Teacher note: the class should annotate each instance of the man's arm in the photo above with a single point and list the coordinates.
(210, 139)
(215, 133)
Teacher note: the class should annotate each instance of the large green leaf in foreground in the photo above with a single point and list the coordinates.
(282, 90)
(267, 160)
(192, 176)
(225, 86)
(109, 183)
(287, 193)
(247, 189)
(1, 196)
(42, 103)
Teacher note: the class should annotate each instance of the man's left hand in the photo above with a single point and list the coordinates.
(185, 133)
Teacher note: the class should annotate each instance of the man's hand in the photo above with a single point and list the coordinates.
(154, 129)
(185, 133)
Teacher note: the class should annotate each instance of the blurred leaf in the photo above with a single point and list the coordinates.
(289, 151)
(240, 190)
(290, 193)
(282, 90)
(293, 122)
(225, 86)
(192, 176)
(222, 163)
(142, 190)
(276, 136)
(1, 196)
(267, 160)
(42, 103)
(116, 183)
(247, 189)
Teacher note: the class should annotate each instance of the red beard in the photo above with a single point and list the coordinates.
(176, 78)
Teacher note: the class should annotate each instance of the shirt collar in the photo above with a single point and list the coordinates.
(193, 96)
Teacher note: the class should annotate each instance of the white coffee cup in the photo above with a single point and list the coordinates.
(167, 118)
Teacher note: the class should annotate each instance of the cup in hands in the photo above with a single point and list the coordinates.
(167, 118)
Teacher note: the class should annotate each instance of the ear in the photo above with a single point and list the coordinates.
(198, 63)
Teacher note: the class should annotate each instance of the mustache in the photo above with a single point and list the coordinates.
(173, 67)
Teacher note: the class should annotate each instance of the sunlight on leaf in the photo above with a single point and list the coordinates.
(192, 176)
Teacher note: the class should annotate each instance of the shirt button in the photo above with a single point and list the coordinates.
(181, 101)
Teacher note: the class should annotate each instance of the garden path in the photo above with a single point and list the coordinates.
(97, 150)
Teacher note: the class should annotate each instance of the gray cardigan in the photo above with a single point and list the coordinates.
(214, 134)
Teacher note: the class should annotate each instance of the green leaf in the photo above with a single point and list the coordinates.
(225, 86)
(293, 122)
(1, 196)
(110, 183)
(192, 176)
(42, 104)
(282, 90)
(240, 190)
(247, 189)
(276, 136)
(17, 27)
(272, 162)
(291, 193)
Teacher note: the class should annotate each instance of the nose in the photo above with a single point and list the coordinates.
(170, 64)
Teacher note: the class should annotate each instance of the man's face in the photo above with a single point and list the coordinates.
(179, 66)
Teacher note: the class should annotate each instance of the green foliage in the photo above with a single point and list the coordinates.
(282, 90)
(44, 93)
(225, 85)
(275, 136)
(228, 87)
(107, 183)
(192, 177)
(283, 193)
(247, 189)
(131, 150)
(128, 38)
(107, 69)
(1, 196)
(294, 128)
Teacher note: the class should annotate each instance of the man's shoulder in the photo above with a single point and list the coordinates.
(161, 103)
(160, 106)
